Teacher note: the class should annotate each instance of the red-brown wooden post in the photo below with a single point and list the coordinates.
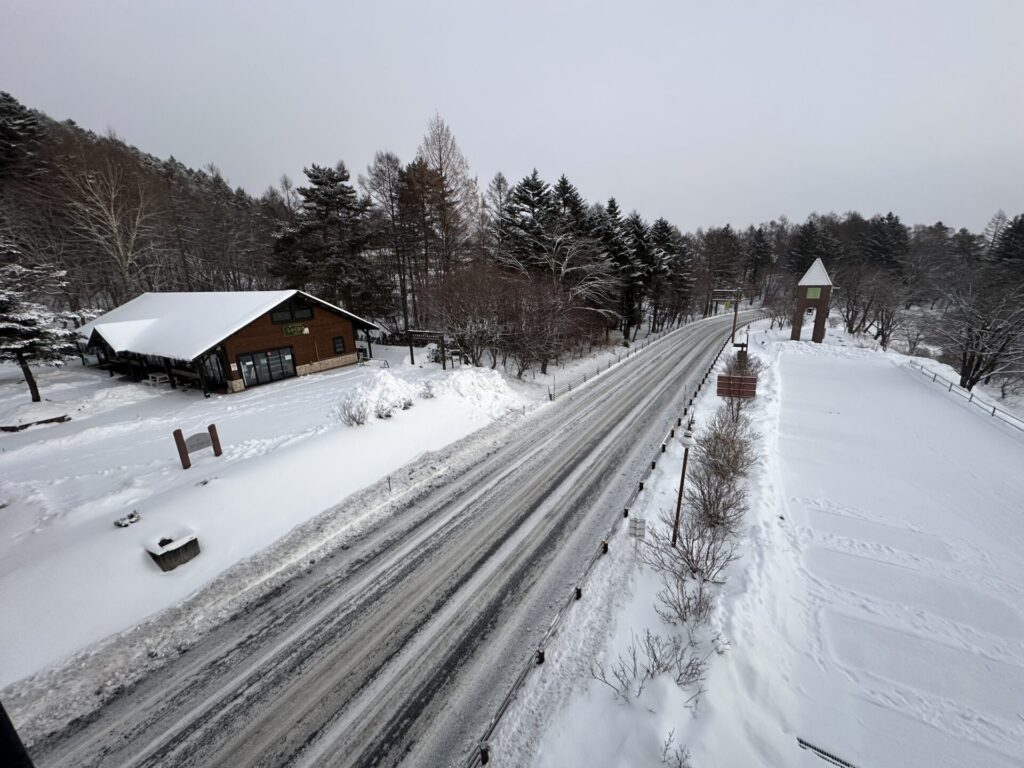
(214, 439)
(179, 440)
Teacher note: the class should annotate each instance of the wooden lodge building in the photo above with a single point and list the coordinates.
(224, 341)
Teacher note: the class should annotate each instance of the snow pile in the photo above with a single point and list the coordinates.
(381, 397)
(484, 389)
(29, 413)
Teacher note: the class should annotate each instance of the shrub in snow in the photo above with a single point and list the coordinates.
(427, 390)
(645, 659)
(354, 410)
(381, 397)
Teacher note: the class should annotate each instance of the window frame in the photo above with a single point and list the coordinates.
(289, 307)
(344, 345)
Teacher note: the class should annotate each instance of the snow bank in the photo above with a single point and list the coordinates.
(486, 391)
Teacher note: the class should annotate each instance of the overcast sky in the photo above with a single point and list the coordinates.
(702, 111)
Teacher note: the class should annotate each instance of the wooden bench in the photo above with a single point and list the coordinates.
(155, 379)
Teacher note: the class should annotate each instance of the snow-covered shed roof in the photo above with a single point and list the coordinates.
(182, 326)
(815, 275)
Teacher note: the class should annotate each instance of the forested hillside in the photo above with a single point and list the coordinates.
(517, 271)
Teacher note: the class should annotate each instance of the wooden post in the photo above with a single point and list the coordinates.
(215, 440)
(12, 750)
(179, 441)
(202, 377)
(170, 374)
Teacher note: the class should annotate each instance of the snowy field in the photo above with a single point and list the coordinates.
(69, 577)
(877, 610)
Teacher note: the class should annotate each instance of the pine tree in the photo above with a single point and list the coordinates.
(325, 248)
(1008, 247)
(570, 207)
(811, 241)
(888, 241)
(21, 133)
(29, 331)
(758, 253)
(529, 219)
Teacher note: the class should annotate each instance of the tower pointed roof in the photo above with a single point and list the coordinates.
(815, 275)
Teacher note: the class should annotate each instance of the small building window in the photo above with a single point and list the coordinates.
(293, 309)
(814, 293)
(339, 345)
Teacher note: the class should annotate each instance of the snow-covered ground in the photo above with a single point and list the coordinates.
(69, 578)
(877, 610)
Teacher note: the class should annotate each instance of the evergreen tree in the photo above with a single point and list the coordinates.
(758, 253)
(21, 134)
(570, 207)
(529, 219)
(811, 241)
(29, 331)
(1008, 247)
(888, 241)
(325, 249)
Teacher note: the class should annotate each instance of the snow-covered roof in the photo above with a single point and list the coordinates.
(182, 326)
(815, 275)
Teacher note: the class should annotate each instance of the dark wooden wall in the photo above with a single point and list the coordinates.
(263, 334)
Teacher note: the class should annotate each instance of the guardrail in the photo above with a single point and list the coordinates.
(1004, 416)
(482, 754)
(554, 392)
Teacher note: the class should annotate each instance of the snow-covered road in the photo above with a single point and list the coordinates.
(399, 642)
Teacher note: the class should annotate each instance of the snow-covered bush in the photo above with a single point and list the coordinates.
(427, 390)
(353, 411)
(384, 394)
(647, 657)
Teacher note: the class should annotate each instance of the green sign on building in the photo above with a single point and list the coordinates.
(294, 329)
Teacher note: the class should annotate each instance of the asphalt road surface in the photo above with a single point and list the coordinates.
(397, 649)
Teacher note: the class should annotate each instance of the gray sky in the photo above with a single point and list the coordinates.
(702, 111)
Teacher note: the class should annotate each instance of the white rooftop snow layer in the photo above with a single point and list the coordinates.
(815, 275)
(182, 326)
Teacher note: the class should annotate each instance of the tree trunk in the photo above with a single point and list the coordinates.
(29, 378)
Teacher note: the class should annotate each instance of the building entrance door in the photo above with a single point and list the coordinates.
(264, 367)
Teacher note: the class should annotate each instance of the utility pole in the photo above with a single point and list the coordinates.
(687, 442)
(12, 752)
(736, 313)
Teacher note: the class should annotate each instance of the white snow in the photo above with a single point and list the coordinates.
(877, 610)
(816, 275)
(71, 578)
(183, 325)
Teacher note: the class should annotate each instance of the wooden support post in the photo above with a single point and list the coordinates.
(170, 374)
(215, 441)
(179, 441)
(12, 750)
(202, 377)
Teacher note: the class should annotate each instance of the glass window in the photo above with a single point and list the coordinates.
(814, 293)
(293, 309)
(264, 367)
(339, 345)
